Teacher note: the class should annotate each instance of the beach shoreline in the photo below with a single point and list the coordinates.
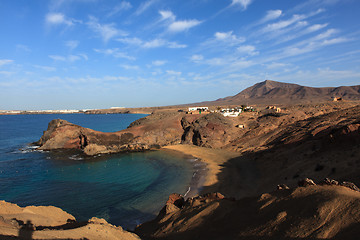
(213, 158)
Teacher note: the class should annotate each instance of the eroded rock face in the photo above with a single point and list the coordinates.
(48, 222)
(212, 130)
(313, 212)
(153, 131)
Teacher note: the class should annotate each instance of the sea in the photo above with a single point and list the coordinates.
(125, 189)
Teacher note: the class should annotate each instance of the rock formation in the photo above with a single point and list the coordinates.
(309, 212)
(48, 222)
(154, 131)
(273, 92)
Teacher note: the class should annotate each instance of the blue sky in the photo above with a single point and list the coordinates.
(78, 54)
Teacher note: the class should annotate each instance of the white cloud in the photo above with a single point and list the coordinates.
(5, 61)
(308, 30)
(7, 73)
(248, 49)
(155, 43)
(130, 67)
(335, 41)
(123, 6)
(158, 63)
(275, 65)
(167, 15)
(115, 52)
(271, 15)
(57, 58)
(197, 58)
(69, 58)
(45, 68)
(73, 58)
(171, 72)
(315, 27)
(229, 38)
(180, 26)
(57, 19)
(22, 47)
(72, 44)
(84, 56)
(106, 31)
(243, 3)
(144, 6)
(131, 41)
(326, 34)
(313, 44)
(283, 24)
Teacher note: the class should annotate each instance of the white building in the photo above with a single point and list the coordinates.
(231, 112)
(198, 109)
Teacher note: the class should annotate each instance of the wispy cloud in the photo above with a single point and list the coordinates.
(45, 68)
(123, 6)
(5, 61)
(167, 15)
(7, 73)
(271, 15)
(243, 3)
(115, 52)
(158, 62)
(130, 67)
(283, 24)
(172, 72)
(105, 31)
(144, 6)
(248, 49)
(177, 26)
(275, 65)
(69, 58)
(297, 34)
(72, 44)
(22, 47)
(228, 37)
(197, 58)
(180, 26)
(58, 19)
(154, 43)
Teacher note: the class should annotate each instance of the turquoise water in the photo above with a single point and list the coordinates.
(125, 189)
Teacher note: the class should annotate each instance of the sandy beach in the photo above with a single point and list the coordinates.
(214, 159)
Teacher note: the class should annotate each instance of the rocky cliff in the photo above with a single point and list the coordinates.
(154, 131)
(326, 211)
(48, 222)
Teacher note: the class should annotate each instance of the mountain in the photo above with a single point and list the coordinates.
(272, 92)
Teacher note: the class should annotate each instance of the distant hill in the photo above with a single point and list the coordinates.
(272, 92)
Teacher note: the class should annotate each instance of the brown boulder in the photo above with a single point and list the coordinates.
(350, 185)
(306, 182)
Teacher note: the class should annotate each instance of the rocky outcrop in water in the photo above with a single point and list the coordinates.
(153, 131)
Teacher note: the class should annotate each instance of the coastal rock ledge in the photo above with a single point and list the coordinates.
(48, 222)
(151, 132)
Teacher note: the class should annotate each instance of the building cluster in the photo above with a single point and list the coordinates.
(227, 112)
(40, 111)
